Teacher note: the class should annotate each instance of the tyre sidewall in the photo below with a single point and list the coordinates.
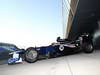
(87, 48)
(28, 59)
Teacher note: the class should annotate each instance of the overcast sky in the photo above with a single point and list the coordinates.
(30, 22)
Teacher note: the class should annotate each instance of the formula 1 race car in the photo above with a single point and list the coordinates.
(62, 47)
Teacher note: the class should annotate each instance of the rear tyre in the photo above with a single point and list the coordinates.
(88, 48)
(31, 55)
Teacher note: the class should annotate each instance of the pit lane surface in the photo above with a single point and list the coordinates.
(77, 64)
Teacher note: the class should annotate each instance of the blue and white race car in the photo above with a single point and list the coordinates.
(62, 47)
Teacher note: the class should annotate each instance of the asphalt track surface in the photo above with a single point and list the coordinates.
(76, 64)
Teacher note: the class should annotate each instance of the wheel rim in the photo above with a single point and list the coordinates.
(31, 54)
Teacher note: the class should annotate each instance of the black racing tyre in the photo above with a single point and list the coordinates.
(88, 48)
(31, 55)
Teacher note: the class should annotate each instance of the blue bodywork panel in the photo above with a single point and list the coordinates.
(45, 49)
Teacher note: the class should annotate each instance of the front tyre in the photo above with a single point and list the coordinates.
(88, 48)
(31, 55)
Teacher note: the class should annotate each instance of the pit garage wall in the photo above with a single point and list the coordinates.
(65, 15)
(68, 11)
(86, 19)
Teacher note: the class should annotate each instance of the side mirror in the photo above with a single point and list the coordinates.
(58, 39)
